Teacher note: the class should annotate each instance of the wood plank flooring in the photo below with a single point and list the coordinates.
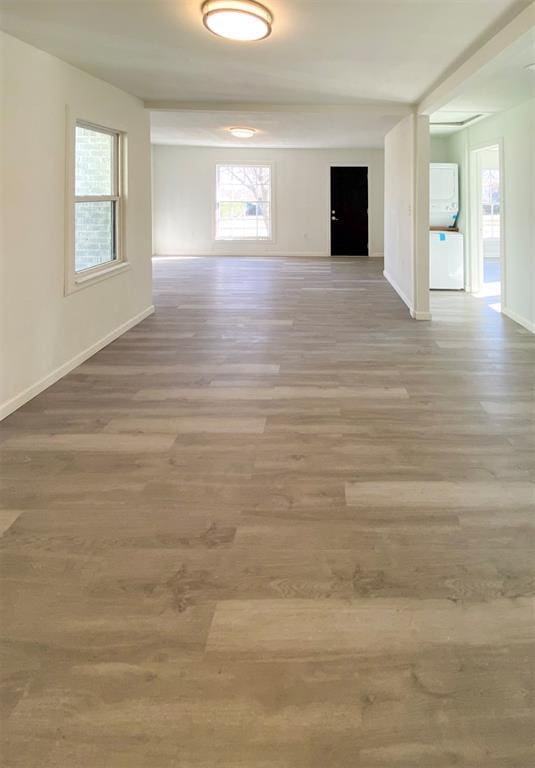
(276, 525)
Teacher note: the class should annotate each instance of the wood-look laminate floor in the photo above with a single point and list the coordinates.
(276, 525)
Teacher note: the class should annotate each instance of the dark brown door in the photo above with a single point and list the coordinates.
(349, 211)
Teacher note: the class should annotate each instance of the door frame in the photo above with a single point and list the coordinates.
(345, 165)
(475, 251)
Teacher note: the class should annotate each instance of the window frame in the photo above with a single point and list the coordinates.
(75, 280)
(270, 202)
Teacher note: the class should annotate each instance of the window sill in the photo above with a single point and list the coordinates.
(243, 240)
(79, 281)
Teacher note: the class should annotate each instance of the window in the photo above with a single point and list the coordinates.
(490, 191)
(97, 199)
(243, 202)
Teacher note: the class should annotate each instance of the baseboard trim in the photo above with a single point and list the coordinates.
(414, 313)
(35, 389)
(398, 290)
(267, 254)
(420, 315)
(519, 319)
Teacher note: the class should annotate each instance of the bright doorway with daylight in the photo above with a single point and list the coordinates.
(488, 222)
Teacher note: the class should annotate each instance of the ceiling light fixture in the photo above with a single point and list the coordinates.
(242, 133)
(530, 66)
(237, 19)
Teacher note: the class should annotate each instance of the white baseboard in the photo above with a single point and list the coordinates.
(398, 290)
(416, 315)
(282, 254)
(30, 392)
(285, 254)
(519, 319)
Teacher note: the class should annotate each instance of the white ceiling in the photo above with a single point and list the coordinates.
(321, 52)
(499, 85)
(305, 127)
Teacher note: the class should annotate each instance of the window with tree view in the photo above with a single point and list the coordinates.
(243, 202)
(96, 197)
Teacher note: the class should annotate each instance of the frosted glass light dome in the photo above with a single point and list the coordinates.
(242, 133)
(237, 19)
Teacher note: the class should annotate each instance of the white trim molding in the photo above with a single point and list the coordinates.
(524, 322)
(249, 254)
(420, 315)
(271, 202)
(399, 292)
(473, 209)
(76, 280)
(415, 314)
(35, 389)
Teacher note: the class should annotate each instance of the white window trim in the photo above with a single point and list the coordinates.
(75, 281)
(271, 238)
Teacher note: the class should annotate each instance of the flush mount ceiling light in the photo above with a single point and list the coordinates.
(237, 19)
(530, 66)
(242, 133)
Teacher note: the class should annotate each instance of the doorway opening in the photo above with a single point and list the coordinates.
(349, 211)
(487, 230)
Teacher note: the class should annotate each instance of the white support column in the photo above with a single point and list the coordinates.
(407, 154)
(422, 145)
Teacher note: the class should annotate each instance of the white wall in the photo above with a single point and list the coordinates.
(439, 149)
(399, 204)
(516, 128)
(184, 193)
(43, 332)
(406, 240)
(490, 158)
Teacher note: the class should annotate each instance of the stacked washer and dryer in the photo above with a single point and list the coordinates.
(446, 249)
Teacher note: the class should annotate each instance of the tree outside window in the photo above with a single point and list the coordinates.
(243, 202)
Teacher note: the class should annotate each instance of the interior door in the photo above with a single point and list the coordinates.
(349, 211)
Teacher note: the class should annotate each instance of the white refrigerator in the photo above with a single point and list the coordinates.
(446, 261)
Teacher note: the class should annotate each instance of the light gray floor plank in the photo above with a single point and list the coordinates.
(278, 524)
